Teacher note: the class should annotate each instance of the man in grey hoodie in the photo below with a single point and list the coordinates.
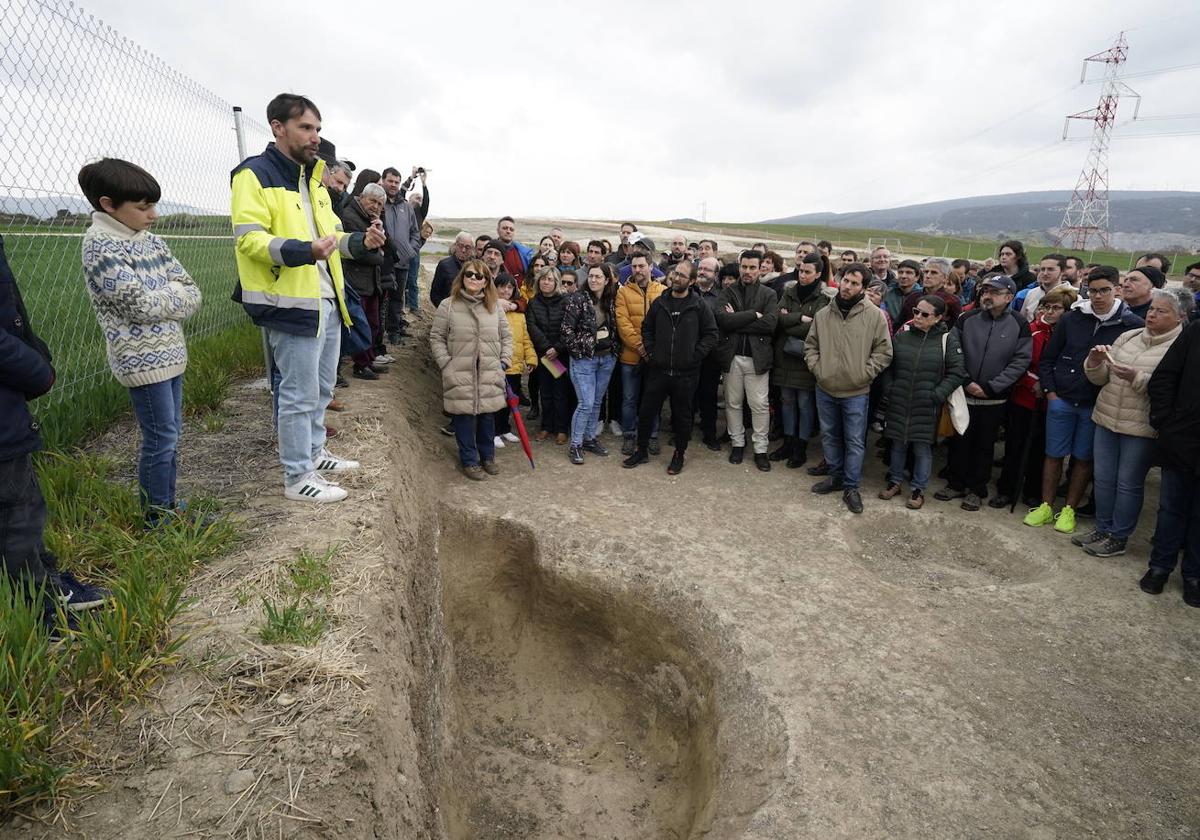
(403, 243)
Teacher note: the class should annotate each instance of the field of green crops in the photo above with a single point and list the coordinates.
(48, 269)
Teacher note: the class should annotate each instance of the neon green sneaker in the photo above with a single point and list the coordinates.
(1064, 523)
(1041, 515)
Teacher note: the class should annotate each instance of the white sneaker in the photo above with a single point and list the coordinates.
(313, 488)
(615, 428)
(499, 441)
(327, 462)
(385, 359)
(510, 437)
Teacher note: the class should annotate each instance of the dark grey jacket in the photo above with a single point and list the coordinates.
(996, 351)
(743, 332)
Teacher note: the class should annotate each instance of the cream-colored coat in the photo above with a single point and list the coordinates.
(1124, 407)
(471, 347)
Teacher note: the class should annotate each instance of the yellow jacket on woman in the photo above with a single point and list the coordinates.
(523, 352)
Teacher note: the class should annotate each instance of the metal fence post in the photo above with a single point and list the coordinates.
(268, 359)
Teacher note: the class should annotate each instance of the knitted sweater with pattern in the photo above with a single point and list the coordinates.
(141, 295)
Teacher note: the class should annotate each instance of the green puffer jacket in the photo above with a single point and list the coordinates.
(790, 371)
(919, 381)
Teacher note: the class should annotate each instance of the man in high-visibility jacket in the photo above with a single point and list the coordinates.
(289, 249)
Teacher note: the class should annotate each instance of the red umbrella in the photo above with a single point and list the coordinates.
(513, 402)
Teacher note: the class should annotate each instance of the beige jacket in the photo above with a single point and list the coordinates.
(846, 354)
(471, 347)
(1124, 407)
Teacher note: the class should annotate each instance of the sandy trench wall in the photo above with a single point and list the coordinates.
(481, 586)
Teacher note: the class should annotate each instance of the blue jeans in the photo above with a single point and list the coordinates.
(843, 435)
(799, 408)
(476, 437)
(1178, 525)
(590, 378)
(631, 398)
(307, 370)
(922, 463)
(159, 412)
(1120, 463)
(414, 271)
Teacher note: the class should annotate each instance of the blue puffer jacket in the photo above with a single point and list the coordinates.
(1061, 367)
(25, 370)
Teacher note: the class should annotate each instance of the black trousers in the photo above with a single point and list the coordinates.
(22, 523)
(657, 388)
(705, 402)
(971, 455)
(393, 314)
(1023, 424)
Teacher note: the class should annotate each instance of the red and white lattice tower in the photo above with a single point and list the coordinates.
(1086, 217)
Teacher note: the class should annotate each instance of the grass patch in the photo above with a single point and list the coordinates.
(301, 617)
(214, 362)
(298, 622)
(212, 422)
(95, 527)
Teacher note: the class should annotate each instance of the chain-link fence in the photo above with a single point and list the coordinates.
(73, 90)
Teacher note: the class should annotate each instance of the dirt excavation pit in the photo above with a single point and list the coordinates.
(899, 549)
(574, 710)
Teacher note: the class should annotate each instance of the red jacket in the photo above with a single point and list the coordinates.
(1023, 394)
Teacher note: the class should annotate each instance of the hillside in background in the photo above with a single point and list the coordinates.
(1140, 219)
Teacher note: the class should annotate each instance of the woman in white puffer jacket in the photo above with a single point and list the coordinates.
(1124, 441)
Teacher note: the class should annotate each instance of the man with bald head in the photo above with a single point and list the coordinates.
(448, 268)
(677, 253)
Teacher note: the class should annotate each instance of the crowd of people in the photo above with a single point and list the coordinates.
(1078, 368)
(1087, 374)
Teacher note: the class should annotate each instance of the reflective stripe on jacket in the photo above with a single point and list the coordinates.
(279, 284)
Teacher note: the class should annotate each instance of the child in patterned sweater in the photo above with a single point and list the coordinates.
(141, 295)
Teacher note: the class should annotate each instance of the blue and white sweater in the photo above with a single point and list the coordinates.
(141, 295)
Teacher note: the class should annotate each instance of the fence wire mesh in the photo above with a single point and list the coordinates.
(73, 90)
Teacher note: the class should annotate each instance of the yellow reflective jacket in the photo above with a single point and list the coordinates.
(278, 281)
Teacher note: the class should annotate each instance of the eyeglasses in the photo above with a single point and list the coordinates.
(1102, 290)
(568, 283)
(1051, 307)
(473, 275)
(921, 313)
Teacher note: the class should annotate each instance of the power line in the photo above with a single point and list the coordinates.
(1146, 73)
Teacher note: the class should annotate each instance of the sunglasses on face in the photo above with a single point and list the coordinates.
(920, 313)
(473, 275)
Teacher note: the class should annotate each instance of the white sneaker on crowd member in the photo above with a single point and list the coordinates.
(510, 437)
(385, 359)
(499, 441)
(328, 462)
(615, 428)
(313, 488)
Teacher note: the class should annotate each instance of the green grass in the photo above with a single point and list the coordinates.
(215, 361)
(85, 398)
(301, 617)
(298, 622)
(95, 527)
(921, 244)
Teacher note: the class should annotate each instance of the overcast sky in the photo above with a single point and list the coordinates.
(640, 110)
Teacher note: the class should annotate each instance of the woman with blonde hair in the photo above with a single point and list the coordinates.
(472, 346)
